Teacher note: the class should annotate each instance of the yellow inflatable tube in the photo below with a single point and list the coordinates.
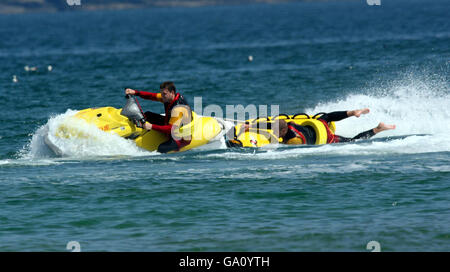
(261, 136)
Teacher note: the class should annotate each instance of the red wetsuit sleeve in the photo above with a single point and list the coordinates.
(149, 95)
(166, 129)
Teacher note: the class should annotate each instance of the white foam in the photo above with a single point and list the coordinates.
(94, 142)
(416, 106)
(409, 145)
(444, 168)
(28, 162)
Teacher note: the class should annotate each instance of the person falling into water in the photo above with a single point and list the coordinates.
(295, 134)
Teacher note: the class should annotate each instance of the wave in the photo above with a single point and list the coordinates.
(415, 105)
(94, 142)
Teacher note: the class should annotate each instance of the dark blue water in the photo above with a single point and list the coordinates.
(307, 57)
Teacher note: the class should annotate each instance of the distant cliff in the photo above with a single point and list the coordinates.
(20, 6)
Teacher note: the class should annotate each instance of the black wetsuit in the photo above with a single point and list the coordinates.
(310, 134)
(162, 121)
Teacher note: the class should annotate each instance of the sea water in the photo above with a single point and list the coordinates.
(109, 195)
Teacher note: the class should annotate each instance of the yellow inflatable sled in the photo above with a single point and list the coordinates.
(262, 135)
(125, 123)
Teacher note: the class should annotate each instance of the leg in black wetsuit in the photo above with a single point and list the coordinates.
(363, 135)
(158, 119)
(154, 118)
(334, 116)
(340, 115)
(168, 146)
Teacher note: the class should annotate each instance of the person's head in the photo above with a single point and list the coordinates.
(279, 128)
(168, 91)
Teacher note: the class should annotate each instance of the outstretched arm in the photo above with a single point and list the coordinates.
(145, 95)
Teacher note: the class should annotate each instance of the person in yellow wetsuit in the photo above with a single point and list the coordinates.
(177, 113)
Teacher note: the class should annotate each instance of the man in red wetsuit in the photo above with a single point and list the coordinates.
(177, 113)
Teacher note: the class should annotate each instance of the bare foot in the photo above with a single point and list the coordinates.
(382, 126)
(357, 113)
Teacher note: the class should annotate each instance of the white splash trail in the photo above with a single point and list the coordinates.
(94, 143)
(417, 106)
